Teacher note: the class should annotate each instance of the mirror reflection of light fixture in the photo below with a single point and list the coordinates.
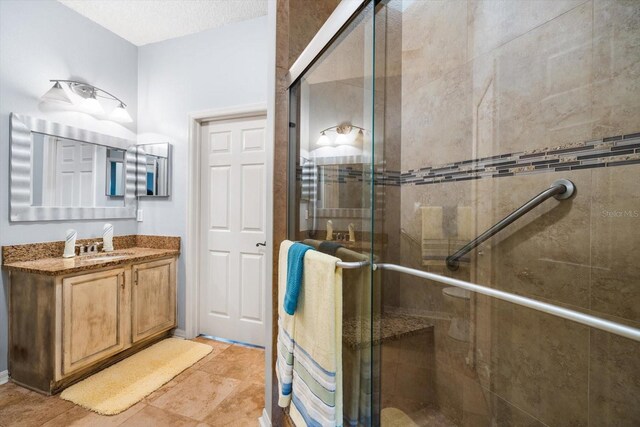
(323, 140)
(359, 141)
(88, 95)
(344, 135)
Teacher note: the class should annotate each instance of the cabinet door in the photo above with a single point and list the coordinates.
(153, 302)
(93, 315)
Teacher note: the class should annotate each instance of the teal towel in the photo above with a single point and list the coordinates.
(295, 267)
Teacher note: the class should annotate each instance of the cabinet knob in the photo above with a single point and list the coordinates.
(261, 244)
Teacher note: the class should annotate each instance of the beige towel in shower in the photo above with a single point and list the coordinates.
(435, 247)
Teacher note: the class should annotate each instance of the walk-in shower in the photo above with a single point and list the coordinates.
(478, 164)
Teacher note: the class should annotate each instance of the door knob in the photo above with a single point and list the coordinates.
(261, 244)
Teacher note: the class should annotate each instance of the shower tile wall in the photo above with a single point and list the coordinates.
(488, 78)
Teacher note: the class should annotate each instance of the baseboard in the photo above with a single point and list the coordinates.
(4, 377)
(179, 333)
(264, 419)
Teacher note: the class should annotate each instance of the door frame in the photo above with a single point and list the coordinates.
(192, 261)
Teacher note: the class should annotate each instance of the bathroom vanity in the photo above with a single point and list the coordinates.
(72, 317)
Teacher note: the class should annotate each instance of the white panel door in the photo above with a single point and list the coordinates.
(75, 181)
(233, 221)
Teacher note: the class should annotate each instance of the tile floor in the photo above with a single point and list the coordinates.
(226, 388)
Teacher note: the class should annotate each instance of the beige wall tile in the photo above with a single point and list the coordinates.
(614, 246)
(493, 23)
(614, 393)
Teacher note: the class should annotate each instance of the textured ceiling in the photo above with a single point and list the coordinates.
(148, 21)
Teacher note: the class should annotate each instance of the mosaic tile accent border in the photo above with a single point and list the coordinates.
(619, 150)
(607, 152)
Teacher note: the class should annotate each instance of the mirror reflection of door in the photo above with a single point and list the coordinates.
(68, 172)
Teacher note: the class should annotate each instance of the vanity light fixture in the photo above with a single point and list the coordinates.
(344, 135)
(87, 96)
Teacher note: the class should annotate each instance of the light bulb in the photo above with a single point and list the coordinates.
(323, 140)
(120, 114)
(57, 94)
(342, 139)
(92, 106)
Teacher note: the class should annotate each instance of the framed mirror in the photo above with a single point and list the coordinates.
(60, 172)
(156, 161)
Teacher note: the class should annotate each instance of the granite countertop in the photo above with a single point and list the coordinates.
(45, 258)
(62, 266)
(392, 326)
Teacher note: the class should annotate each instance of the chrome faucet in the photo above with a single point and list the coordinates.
(95, 247)
(89, 249)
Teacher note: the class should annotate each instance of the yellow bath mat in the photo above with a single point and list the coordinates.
(124, 384)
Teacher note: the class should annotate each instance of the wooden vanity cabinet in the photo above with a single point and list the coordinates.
(65, 328)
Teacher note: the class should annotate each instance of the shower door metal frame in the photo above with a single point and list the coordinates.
(332, 27)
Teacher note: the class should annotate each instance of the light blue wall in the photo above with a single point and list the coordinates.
(42, 40)
(218, 68)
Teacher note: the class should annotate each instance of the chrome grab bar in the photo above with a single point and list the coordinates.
(554, 310)
(561, 189)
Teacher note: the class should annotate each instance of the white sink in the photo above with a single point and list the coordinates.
(105, 257)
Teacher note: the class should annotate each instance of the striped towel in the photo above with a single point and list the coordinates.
(309, 366)
(309, 181)
(284, 365)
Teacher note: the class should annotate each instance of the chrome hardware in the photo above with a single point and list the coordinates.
(561, 189)
(95, 247)
(351, 265)
(554, 310)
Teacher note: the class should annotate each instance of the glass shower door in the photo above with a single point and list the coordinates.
(488, 103)
(330, 188)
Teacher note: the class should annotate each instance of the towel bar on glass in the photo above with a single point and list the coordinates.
(554, 310)
(351, 265)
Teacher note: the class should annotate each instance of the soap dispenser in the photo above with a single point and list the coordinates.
(329, 230)
(107, 238)
(70, 243)
(352, 232)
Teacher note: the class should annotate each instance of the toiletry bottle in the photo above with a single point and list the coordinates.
(329, 230)
(70, 243)
(107, 238)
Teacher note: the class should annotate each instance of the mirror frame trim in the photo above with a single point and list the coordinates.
(21, 127)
